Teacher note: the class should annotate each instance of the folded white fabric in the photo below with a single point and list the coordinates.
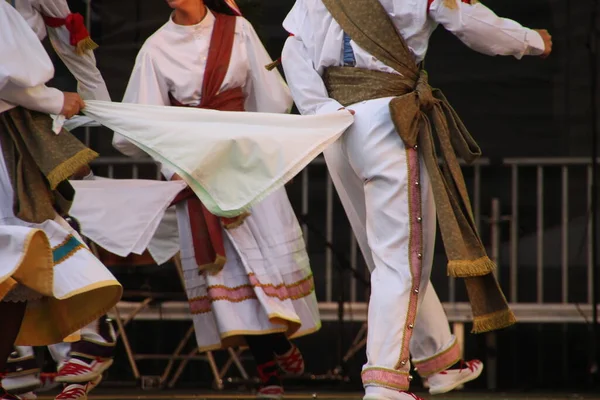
(123, 215)
(231, 160)
(165, 242)
(79, 121)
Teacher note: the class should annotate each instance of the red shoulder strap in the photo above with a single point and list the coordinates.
(219, 56)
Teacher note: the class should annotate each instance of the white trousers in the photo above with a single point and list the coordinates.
(385, 190)
(60, 351)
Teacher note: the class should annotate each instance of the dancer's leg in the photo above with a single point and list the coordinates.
(12, 316)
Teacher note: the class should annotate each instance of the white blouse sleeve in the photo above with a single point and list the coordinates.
(265, 90)
(90, 84)
(38, 98)
(309, 91)
(145, 87)
(482, 30)
(25, 66)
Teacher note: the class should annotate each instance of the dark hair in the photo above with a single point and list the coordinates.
(219, 6)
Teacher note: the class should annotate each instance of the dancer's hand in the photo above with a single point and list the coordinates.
(176, 177)
(72, 104)
(547, 38)
(347, 109)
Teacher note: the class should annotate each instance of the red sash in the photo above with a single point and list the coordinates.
(207, 228)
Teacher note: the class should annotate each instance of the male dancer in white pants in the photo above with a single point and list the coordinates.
(380, 174)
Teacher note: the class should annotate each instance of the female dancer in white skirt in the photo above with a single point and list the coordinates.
(93, 354)
(248, 280)
(50, 283)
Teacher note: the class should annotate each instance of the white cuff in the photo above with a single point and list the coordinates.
(535, 43)
(329, 107)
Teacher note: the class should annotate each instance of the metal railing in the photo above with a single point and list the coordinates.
(530, 211)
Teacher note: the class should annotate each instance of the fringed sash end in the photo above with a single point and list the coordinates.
(494, 321)
(69, 167)
(232, 223)
(273, 65)
(215, 267)
(85, 45)
(471, 268)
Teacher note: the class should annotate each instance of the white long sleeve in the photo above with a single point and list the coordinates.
(25, 67)
(482, 30)
(90, 84)
(265, 91)
(38, 98)
(308, 89)
(145, 86)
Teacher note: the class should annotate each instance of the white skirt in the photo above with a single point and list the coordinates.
(48, 265)
(266, 285)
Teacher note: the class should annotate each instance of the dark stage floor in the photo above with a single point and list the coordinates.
(164, 395)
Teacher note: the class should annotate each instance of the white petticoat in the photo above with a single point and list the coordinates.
(266, 285)
(22, 293)
(51, 260)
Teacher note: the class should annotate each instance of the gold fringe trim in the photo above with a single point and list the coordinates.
(215, 267)
(237, 221)
(493, 321)
(451, 4)
(64, 242)
(6, 286)
(85, 45)
(273, 65)
(471, 268)
(68, 167)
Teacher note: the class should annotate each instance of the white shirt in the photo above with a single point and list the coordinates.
(90, 84)
(173, 60)
(24, 67)
(318, 41)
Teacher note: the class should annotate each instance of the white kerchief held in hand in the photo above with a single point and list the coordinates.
(231, 160)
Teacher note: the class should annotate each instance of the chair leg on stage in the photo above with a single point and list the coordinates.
(215, 370)
(234, 358)
(182, 343)
(125, 339)
(360, 341)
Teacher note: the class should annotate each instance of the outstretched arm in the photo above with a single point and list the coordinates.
(90, 84)
(482, 30)
(25, 68)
